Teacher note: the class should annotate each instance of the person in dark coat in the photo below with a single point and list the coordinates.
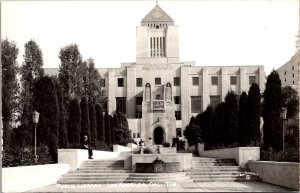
(86, 145)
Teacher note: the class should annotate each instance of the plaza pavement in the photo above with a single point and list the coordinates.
(178, 187)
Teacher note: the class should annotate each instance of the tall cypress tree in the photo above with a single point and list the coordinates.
(85, 119)
(63, 136)
(231, 118)
(74, 126)
(254, 102)
(46, 103)
(30, 70)
(107, 128)
(243, 129)
(208, 127)
(93, 123)
(9, 54)
(272, 103)
(100, 123)
(113, 125)
(219, 129)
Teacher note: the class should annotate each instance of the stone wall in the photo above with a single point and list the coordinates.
(75, 157)
(241, 154)
(25, 178)
(185, 159)
(279, 173)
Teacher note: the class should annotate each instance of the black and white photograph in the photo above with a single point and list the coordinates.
(150, 96)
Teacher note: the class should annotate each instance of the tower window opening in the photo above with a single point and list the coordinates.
(157, 27)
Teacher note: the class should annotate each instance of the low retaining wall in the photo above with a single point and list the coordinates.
(75, 157)
(241, 154)
(120, 148)
(279, 173)
(25, 178)
(185, 160)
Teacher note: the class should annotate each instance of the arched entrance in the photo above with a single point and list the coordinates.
(158, 135)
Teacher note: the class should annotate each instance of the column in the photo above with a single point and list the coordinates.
(185, 96)
(244, 84)
(224, 83)
(205, 88)
(111, 100)
(131, 92)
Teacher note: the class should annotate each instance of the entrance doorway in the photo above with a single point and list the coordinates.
(158, 135)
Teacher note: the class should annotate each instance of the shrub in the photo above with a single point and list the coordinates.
(289, 155)
(147, 150)
(13, 157)
(166, 144)
(101, 145)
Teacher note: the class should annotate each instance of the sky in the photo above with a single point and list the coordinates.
(211, 32)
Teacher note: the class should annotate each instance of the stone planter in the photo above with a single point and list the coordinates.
(157, 167)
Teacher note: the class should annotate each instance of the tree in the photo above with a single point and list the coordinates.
(206, 125)
(121, 131)
(92, 82)
(85, 120)
(113, 128)
(219, 128)
(192, 132)
(100, 123)
(63, 135)
(46, 103)
(74, 126)
(71, 71)
(272, 103)
(107, 128)
(290, 101)
(93, 123)
(254, 111)
(9, 54)
(230, 119)
(243, 128)
(30, 70)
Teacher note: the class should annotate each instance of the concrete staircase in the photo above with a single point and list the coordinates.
(158, 178)
(97, 172)
(216, 169)
(112, 171)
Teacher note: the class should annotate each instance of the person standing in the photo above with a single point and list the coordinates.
(85, 145)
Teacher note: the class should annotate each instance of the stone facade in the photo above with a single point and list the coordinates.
(159, 93)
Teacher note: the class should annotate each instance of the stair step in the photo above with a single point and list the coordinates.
(104, 171)
(114, 181)
(100, 168)
(214, 173)
(163, 181)
(158, 174)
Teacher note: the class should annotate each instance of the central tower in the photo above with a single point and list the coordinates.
(157, 39)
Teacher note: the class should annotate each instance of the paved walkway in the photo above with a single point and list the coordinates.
(178, 187)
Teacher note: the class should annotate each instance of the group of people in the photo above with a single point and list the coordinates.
(179, 143)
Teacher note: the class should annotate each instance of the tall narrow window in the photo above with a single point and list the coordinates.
(178, 115)
(164, 48)
(120, 82)
(139, 82)
(176, 81)
(177, 100)
(251, 80)
(151, 47)
(195, 104)
(214, 80)
(195, 81)
(232, 80)
(178, 132)
(121, 104)
(215, 100)
(138, 100)
(157, 81)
